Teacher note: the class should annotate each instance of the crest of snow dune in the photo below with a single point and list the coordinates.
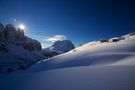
(56, 38)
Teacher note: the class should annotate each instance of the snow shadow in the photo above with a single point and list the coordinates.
(81, 61)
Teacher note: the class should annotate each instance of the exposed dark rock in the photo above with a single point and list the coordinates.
(103, 40)
(62, 46)
(2, 35)
(17, 37)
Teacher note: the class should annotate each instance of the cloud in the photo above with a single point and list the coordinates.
(13, 19)
(56, 38)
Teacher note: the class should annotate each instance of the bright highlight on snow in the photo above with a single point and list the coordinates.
(22, 26)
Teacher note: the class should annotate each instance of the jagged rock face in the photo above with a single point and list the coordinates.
(62, 46)
(3, 48)
(2, 35)
(20, 35)
(32, 45)
(10, 32)
(17, 51)
(1, 27)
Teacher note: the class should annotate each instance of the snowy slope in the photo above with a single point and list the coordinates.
(80, 78)
(93, 53)
(93, 66)
(16, 57)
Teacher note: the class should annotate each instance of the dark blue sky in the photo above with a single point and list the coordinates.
(79, 20)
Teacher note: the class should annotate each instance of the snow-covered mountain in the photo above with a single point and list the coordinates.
(62, 46)
(16, 49)
(58, 47)
(98, 65)
(92, 53)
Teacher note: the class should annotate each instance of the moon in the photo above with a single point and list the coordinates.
(22, 26)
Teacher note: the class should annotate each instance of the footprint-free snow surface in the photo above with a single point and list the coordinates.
(93, 66)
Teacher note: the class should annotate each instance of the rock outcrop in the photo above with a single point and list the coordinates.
(17, 51)
(2, 35)
(32, 45)
(62, 46)
(10, 34)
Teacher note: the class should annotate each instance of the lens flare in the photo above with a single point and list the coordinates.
(22, 26)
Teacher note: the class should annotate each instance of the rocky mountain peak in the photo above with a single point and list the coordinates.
(62, 46)
(10, 34)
